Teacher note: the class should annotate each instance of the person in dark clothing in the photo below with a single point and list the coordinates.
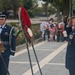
(46, 33)
(67, 27)
(70, 53)
(8, 41)
(65, 21)
(68, 30)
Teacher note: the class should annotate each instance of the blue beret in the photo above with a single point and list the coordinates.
(2, 16)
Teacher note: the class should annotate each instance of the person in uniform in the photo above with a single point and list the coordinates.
(7, 39)
(67, 27)
(70, 53)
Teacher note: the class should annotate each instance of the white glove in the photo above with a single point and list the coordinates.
(11, 56)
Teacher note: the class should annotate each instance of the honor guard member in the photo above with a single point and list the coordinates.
(70, 53)
(9, 43)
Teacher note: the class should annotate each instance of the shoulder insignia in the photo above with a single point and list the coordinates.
(71, 36)
(6, 33)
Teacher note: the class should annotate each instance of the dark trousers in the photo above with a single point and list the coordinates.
(65, 38)
(72, 72)
(59, 36)
(46, 32)
(3, 70)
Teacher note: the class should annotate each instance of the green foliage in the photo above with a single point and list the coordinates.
(38, 10)
(48, 9)
(20, 39)
(9, 4)
(31, 14)
(30, 5)
(27, 4)
(6, 5)
(52, 10)
(36, 31)
(1, 5)
(54, 2)
(13, 24)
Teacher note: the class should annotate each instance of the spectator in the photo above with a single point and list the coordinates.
(52, 33)
(44, 27)
(67, 26)
(65, 35)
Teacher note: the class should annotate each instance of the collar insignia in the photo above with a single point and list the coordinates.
(6, 32)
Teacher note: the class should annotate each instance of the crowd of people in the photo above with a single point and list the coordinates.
(65, 29)
(51, 29)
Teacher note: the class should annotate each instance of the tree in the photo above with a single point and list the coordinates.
(66, 6)
(30, 6)
(6, 5)
(27, 4)
(56, 4)
(60, 5)
(14, 6)
(1, 5)
(48, 9)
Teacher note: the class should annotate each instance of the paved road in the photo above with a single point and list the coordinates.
(51, 56)
(33, 20)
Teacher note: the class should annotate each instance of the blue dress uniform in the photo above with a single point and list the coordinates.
(70, 54)
(8, 41)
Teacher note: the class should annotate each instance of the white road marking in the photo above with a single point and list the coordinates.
(25, 50)
(18, 62)
(59, 64)
(44, 49)
(46, 60)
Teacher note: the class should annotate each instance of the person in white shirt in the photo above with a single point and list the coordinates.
(65, 35)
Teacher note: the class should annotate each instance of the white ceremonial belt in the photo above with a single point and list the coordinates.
(12, 51)
(5, 42)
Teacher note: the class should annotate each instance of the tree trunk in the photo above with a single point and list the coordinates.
(66, 8)
(58, 13)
